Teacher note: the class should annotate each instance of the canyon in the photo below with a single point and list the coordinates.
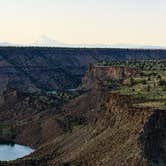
(94, 127)
(34, 69)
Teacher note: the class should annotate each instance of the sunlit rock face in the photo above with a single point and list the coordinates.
(98, 73)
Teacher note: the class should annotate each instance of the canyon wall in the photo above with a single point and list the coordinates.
(98, 74)
(97, 128)
(31, 69)
(105, 129)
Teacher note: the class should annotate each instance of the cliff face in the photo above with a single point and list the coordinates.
(111, 131)
(97, 75)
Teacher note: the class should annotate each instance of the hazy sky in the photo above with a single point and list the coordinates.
(84, 21)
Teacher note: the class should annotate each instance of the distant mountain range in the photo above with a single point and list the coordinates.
(5, 44)
(45, 41)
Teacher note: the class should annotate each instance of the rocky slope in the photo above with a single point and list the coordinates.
(34, 69)
(96, 128)
(29, 118)
(111, 132)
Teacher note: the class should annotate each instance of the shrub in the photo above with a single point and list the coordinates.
(162, 83)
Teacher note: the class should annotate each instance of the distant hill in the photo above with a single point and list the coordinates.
(35, 68)
(45, 41)
(4, 44)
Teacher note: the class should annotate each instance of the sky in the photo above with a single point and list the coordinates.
(84, 21)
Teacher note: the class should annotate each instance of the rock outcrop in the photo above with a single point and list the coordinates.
(98, 74)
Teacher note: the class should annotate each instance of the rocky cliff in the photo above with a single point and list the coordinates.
(98, 74)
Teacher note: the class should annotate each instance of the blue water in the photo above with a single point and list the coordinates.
(13, 152)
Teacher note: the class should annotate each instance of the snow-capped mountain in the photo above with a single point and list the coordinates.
(46, 41)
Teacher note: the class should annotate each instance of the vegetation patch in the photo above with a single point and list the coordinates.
(150, 85)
